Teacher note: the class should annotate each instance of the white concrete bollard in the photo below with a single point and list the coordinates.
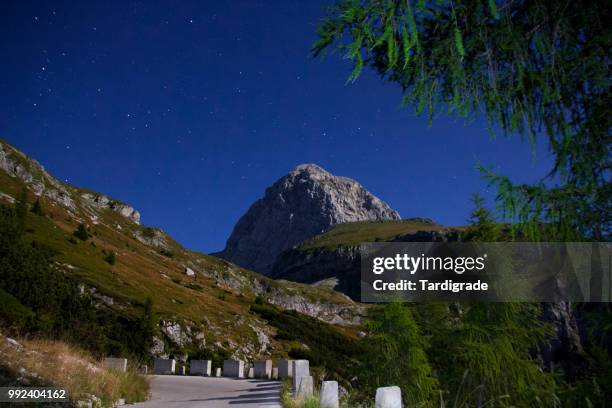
(275, 373)
(200, 367)
(303, 387)
(329, 395)
(251, 373)
(233, 368)
(182, 369)
(119, 364)
(164, 366)
(301, 368)
(389, 397)
(263, 369)
(218, 372)
(285, 368)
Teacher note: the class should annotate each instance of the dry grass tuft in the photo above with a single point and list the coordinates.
(57, 364)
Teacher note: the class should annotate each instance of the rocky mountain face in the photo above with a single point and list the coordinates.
(304, 203)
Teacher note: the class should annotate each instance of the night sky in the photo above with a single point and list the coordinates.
(188, 110)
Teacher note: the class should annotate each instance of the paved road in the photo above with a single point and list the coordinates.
(174, 391)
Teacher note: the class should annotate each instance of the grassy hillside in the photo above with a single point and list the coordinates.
(354, 233)
(122, 263)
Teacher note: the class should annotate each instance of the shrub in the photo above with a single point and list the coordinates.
(166, 253)
(110, 258)
(81, 232)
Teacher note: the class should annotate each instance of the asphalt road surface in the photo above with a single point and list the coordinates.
(174, 391)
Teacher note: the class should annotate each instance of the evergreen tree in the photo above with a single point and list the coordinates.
(395, 355)
(530, 66)
(482, 223)
(486, 359)
(147, 327)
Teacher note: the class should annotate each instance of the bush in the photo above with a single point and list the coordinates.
(166, 253)
(110, 258)
(81, 232)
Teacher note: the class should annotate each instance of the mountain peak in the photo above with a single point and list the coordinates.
(308, 168)
(305, 202)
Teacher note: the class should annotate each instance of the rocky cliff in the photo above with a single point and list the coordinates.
(302, 204)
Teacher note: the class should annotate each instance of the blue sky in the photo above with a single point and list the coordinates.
(189, 110)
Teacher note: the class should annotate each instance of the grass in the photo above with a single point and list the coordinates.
(354, 233)
(58, 364)
(288, 401)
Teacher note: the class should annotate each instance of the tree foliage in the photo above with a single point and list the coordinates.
(534, 68)
(486, 359)
(395, 354)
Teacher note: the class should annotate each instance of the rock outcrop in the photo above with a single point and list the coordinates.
(102, 202)
(33, 174)
(297, 207)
